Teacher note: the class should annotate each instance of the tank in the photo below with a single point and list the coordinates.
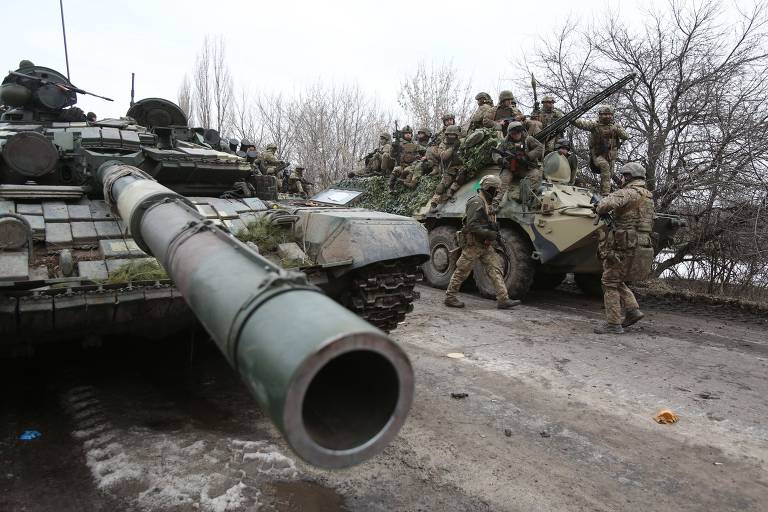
(134, 226)
(546, 233)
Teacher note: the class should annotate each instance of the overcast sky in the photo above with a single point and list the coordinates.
(280, 45)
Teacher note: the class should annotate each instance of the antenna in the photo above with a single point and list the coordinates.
(64, 31)
(133, 76)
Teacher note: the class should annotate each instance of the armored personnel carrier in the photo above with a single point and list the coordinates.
(546, 233)
(127, 226)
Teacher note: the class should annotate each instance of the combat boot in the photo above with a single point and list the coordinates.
(453, 302)
(507, 304)
(607, 328)
(632, 317)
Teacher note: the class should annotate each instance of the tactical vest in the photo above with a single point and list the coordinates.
(548, 118)
(451, 165)
(602, 140)
(505, 112)
(638, 214)
(476, 121)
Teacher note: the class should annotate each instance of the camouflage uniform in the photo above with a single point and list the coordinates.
(547, 115)
(404, 153)
(484, 104)
(269, 162)
(452, 166)
(506, 110)
(479, 233)
(298, 184)
(605, 136)
(625, 248)
(530, 152)
(373, 160)
(448, 120)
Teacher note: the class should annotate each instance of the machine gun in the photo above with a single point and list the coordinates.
(560, 124)
(66, 87)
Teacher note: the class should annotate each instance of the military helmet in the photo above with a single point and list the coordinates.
(548, 99)
(506, 95)
(299, 169)
(407, 129)
(483, 96)
(563, 143)
(453, 130)
(448, 116)
(272, 145)
(385, 135)
(490, 181)
(634, 169)
(425, 131)
(605, 109)
(515, 126)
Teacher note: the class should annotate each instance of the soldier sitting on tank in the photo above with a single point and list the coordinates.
(547, 115)
(268, 161)
(404, 153)
(484, 104)
(625, 248)
(90, 117)
(518, 155)
(605, 137)
(454, 174)
(532, 123)
(476, 242)
(298, 184)
(372, 162)
(499, 116)
(447, 120)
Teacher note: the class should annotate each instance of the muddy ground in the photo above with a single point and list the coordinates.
(556, 419)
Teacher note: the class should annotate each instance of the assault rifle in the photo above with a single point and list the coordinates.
(67, 87)
(518, 156)
(560, 124)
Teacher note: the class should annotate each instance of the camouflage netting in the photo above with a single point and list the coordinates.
(478, 157)
(267, 236)
(401, 201)
(143, 270)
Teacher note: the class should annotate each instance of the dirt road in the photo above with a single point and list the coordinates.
(556, 419)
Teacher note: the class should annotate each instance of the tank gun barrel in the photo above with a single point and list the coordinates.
(559, 125)
(336, 387)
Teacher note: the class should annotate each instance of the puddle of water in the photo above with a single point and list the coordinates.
(306, 497)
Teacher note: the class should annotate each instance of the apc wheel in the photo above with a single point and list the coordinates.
(439, 268)
(589, 284)
(546, 280)
(517, 265)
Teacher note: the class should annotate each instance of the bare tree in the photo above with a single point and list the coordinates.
(696, 112)
(432, 91)
(213, 85)
(185, 101)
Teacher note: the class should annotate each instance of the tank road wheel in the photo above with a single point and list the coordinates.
(589, 284)
(438, 269)
(518, 267)
(547, 280)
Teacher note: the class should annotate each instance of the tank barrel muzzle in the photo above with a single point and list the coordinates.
(337, 388)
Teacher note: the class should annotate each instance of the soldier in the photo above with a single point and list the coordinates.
(547, 115)
(499, 116)
(268, 161)
(404, 153)
(423, 135)
(532, 123)
(604, 139)
(452, 167)
(563, 147)
(298, 184)
(448, 120)
(518, 154)
(484, 104)
(90, 117)
(373, 160)
(476, 241)
(626, 249)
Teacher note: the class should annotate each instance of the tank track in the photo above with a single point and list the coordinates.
(384, 293)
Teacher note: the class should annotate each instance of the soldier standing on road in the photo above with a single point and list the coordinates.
(484, 104)
(476, 242)
(525, 152)
(605, 137)
(625, 249)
